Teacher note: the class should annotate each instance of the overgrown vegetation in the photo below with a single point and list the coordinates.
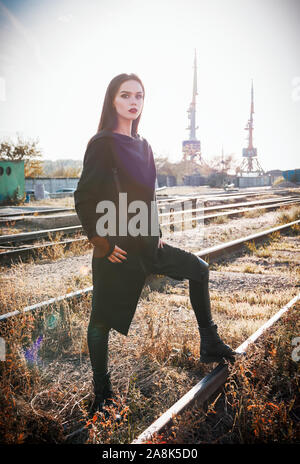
(260, 400)
(46, 378)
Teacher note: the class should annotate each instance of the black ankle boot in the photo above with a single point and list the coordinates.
(103, 396)
(212, 348)
(97, 405)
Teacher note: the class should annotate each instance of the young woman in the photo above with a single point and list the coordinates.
(118, 174)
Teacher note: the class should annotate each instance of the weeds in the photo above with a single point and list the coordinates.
(259, 402)
(46, 378)
(220, 219)
(252, 213)
(289, 214)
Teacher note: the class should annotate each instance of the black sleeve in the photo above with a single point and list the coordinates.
(96, 170)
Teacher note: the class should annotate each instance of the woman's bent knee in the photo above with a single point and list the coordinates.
(203, 266)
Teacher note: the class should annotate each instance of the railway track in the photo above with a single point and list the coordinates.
(224, 206)
(9, 251)
(31, 236)
(208, 254)
(262, 205)
(204, 389)
(220, 196)
(28, 237)
(217, 377)
(18, 215)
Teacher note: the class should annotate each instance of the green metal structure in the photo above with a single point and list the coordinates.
(12, 180)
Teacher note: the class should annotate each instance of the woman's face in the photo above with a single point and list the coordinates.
(129, 96)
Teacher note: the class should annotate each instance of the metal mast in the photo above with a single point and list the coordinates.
(250, 153)
(191, 147)
(192, 109)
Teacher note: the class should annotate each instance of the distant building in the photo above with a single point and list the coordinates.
(166, 181)
(12, 180)
(292, 175)
(51, 184)
(195, 180)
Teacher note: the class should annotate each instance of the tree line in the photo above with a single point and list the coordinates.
(216, 169)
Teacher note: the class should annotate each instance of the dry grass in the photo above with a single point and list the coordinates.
(259, 402)
(289, 214)
(220, 220)
(255, 213)
(277, 254)
(50, 386)
(20, 287)
(46, 378)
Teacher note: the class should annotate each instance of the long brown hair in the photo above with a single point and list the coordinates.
(108, 118)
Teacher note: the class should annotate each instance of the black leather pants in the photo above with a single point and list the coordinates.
(199, 297)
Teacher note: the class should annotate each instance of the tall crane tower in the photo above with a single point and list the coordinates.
(250, 161)
(191, 148)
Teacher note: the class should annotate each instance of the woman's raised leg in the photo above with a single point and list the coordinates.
(199, 296)
(180, 264)
(212, 348)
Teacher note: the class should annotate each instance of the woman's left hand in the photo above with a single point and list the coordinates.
(161, 243)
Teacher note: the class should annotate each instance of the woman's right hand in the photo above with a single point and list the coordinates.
(101, 245)
(118, 255)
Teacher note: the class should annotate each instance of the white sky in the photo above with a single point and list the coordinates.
(57, 58)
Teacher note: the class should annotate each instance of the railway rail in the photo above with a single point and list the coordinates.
(223, 206)
(10, 252)
(219, 197)
(30, 236)
(209, 254)
(18, 211)
(208, 196)
(19, 214)
(234, 212)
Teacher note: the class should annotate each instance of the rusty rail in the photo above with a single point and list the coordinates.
(209, 384)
